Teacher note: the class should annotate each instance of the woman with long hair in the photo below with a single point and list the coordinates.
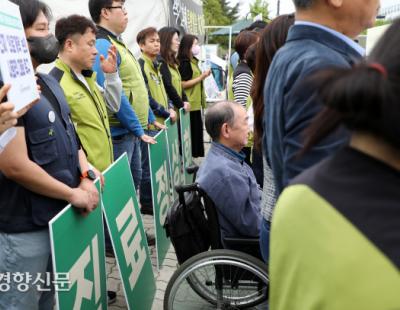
(335, 238)
(169, 40)
(192, 83)
(272, 38)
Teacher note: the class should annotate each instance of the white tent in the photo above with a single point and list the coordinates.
(141, 13)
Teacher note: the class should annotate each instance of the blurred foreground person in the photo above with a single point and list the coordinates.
(335, 239)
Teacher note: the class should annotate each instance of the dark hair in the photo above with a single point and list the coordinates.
(74, 24)
(250, 57)
(217, 115)
(30, 10)
(166, 34)
(363, 98)
(185, 48)
(143, 34)
(303, 4)
(244, 40)
(257, 26)
(272, 38)
(95, 7)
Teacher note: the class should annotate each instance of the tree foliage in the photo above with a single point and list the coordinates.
(259, 7)
(219, 12)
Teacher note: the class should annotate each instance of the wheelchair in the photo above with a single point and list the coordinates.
(219, 278)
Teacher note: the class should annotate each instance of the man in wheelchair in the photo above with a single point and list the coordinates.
(224, 175)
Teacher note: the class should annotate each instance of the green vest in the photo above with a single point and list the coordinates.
(231, 96)
(176, 79)
(313, 243)
(156, 84)
(133, 84)
(196, 94)
(89, 115)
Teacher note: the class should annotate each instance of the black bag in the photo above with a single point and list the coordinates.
(187, 226)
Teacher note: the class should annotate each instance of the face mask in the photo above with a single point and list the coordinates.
(196, 50)
(44, 49)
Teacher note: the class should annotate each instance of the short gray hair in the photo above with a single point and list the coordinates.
(218, 114)
(303, 4)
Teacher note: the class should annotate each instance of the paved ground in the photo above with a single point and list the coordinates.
(162, 277)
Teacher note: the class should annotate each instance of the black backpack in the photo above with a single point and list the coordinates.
(187, 226)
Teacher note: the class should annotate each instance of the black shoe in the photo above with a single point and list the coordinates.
(151, 239)
(111, 297)
(146, 209)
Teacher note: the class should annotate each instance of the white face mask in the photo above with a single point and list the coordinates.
(196, 50)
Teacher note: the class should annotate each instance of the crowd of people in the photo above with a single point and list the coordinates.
(98, 102)
(322, 123)
(304, 156)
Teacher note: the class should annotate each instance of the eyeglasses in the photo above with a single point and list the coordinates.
(122, 7)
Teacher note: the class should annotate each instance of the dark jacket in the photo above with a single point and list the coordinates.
(291, 102)
(53, 145)
(232, 186)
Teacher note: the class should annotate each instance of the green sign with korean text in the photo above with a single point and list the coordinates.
(160, 188)
(186, 144)
(175, 165)
(79, 259)
(121, 210)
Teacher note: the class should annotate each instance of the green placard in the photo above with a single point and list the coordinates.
(175, 166)
(128, 236)
(186, 144)
(160, 188)
(78, 258)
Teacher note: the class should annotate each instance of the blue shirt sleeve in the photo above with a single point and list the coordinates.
(126, 115)
(152, 117)
(157, 108)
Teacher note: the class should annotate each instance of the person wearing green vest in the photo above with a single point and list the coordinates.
(89, 105)
(192, 83)
(76, 35)
(169, 39)
(149, 43)
(129, 125)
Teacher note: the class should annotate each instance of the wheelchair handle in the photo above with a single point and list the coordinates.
(180, 189)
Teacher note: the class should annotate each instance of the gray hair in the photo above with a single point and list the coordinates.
(218, 114)
(303, 4)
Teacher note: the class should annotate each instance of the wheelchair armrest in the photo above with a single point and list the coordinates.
(192, 169)
(180, 189)
(242, 241)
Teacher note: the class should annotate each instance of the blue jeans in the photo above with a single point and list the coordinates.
(131, 145)
(264, 239)
(27, 253)
(145, 183)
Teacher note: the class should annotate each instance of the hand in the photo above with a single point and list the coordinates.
(148, 139)
(109, 65)
(186, 106)
(159, 125)
(87, 201)
(8, 118)
(88, 186)
(172, 115)
(206, 73)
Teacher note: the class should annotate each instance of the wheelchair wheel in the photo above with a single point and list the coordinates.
(218, 279)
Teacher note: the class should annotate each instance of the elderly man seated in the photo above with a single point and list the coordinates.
(225, 176)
